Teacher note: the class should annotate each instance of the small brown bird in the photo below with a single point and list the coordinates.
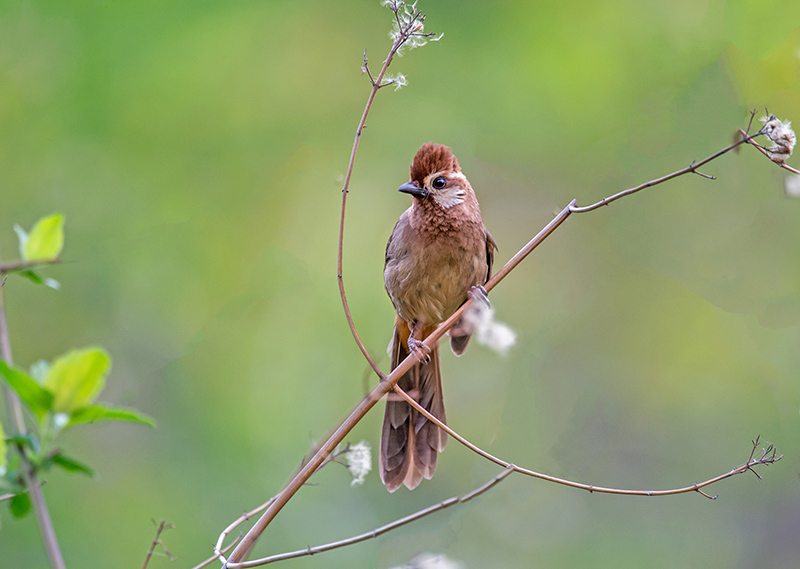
(438, 251)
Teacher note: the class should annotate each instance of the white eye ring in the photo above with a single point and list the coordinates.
(439, 183)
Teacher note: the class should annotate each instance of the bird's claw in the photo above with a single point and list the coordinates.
(420, 350)
(478, 294)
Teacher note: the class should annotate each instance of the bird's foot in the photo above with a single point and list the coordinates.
(478, 294)
(419, 349)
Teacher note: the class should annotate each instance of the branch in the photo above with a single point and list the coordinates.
(404, 33)
(690, 168)
(29, 478)
(388, 383)
(22, 265)
(409, 27)
(218, 550)
(381, 530)
(216, 556)
(767, 154)
(768, 457)
(163, 526)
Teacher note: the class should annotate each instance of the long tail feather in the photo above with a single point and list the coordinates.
(407, 455)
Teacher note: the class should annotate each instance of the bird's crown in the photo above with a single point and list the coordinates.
(432, 158)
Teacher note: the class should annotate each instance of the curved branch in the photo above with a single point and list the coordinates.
(387, 383)
(765, 153)
(767, 459)
(381, 530)
(404, 33)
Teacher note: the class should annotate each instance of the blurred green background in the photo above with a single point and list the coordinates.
(197, 150)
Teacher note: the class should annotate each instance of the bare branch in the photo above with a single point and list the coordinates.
(766, 459)
(218, 549)
(690, 168)
(766, 153)
(216, 556)
(29, 477)
(378, 531)
(162, 527)
(22, 265)
(409, 25)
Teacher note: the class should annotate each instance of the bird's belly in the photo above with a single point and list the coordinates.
(430, 285)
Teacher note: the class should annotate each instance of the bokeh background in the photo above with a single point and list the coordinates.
(198, 149)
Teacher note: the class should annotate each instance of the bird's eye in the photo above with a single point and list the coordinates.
(439, 183)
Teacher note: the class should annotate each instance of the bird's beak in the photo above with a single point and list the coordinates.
(413, 189)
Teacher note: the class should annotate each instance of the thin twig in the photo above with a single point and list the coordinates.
(27, 470)
(690, 168)
(376, 86)
(408, 26)
(22, 265)
(766, 459)
(381, 530)
(216, 556)
(766, 153)
(163, 526)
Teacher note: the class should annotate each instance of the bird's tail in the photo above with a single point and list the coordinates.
(409, 441)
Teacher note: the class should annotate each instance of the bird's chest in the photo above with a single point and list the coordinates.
(428, 275)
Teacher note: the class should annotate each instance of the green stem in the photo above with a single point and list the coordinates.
(15, 413)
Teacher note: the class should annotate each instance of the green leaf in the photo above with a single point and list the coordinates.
(25, 440)
(38, 399)
(71, 465)
(32, 276)
(77, 378)
(101, 412)
(46, 239)
(20, 505)
(36, 278)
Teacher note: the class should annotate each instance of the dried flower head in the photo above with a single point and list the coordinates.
(359, 462)
(399, 81)
(487, 330)
(782, 137)
(408, 30)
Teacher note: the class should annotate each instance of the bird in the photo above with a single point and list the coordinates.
(438, 254)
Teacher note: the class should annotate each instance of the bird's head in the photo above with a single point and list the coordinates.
(436, 175)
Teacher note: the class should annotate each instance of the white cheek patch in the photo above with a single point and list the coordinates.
(449, 197)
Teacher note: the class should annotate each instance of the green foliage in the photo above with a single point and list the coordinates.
(66, 398)
(77, 378)
(35, 397)
(58, 395)
(101, 412)
(45, 241)
(67, 463)
(20, 505)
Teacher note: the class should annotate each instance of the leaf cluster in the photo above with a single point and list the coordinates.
(58, 395)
